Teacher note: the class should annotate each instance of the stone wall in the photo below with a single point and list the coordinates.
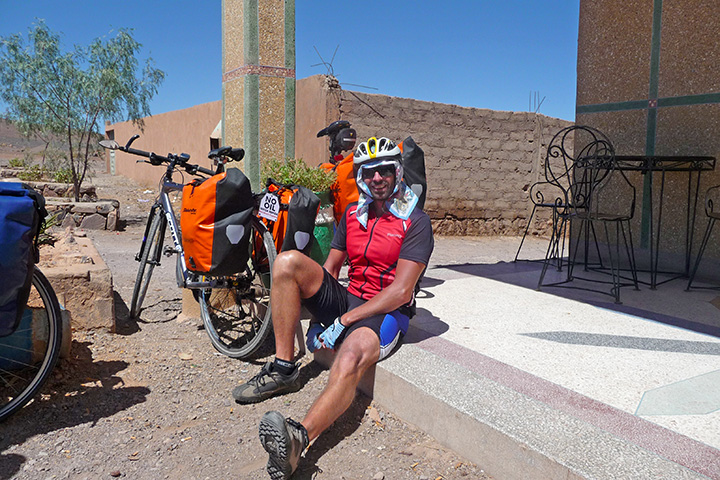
(479, 163)
(99, 215)
(82, 281)
(89, 214)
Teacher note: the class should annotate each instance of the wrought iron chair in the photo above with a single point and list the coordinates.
(600, 197)
(713, 215)
(553, 192)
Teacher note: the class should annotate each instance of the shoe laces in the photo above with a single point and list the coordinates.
(301, 428)
(259, 379)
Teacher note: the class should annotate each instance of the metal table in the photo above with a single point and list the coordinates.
(650, 233)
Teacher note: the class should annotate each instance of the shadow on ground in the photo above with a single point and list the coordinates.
(348, 423)
(80, 391)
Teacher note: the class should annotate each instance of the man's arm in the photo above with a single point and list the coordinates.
(334, 262)
(390, 298)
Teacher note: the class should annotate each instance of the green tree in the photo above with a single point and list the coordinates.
(70, 93)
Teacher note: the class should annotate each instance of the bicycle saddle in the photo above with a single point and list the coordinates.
(236, 154)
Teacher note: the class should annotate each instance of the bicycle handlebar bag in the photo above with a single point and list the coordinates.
(215, 223)
(22, 211)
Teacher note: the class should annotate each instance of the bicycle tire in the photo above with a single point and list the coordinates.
(29, 354)
(237, 316)
(149, 256)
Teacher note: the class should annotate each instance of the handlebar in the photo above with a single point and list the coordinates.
(155, 159)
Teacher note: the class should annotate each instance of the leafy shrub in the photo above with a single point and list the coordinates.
(17, 163)
(297, 172)
(63, 175)
(34, 173)
(46, 237)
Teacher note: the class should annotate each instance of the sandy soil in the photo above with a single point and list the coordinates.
(153, 400)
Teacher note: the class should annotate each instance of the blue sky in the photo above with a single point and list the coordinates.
(475, 53)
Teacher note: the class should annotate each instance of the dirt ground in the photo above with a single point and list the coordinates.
(152, 401)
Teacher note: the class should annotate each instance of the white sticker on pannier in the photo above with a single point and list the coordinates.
(270, 207)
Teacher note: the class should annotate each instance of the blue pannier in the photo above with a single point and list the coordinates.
(22, 211)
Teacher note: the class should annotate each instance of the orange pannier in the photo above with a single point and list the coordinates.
(344, 189)
(215, 223)
(293, 229)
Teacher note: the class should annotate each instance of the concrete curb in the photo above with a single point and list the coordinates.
(515, 434)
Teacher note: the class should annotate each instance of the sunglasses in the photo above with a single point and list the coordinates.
(383, 170)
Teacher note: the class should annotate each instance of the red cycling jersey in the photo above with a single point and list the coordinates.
(373, 251)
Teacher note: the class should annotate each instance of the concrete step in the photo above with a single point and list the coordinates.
(518, 426)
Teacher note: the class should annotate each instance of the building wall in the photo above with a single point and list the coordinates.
(479, 162)
(316, 107)
(647, 77)
(181, 131)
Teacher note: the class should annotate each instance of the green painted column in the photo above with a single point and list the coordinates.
(258, 82)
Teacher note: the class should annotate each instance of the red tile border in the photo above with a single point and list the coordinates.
(262, 70)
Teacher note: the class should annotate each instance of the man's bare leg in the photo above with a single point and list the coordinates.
(358, 352)
(295, 277)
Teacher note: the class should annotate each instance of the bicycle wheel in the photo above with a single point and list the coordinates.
(236, 314)
(28, 355)
(149, 257)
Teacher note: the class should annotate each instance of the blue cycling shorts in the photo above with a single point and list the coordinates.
(332, 300)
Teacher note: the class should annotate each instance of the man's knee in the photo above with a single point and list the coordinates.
(294, 267)
(358, 352)
(286, 263)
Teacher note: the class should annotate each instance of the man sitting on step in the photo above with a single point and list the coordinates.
(388, 243)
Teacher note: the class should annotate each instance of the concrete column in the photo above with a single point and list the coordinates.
(258, 82)
(258, 88)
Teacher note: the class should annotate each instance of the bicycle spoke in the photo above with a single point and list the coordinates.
(237, 313)
(31, 351)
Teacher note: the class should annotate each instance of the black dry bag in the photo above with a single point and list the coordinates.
(302, 210)
(414, 167)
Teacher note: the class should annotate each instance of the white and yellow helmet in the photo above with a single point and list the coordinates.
(376, 152)
(376, 149)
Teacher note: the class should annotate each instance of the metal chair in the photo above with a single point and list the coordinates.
(599, 197)
(713, 215)
(554, 191)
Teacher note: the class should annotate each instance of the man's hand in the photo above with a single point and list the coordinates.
(313, 342)
(332, 333)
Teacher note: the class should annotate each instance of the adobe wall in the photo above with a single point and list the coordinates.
(479, 162)
(180, 131)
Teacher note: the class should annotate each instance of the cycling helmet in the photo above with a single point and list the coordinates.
(374, 153)
(376, 149)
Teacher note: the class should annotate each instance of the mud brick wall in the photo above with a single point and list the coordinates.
(479, 163)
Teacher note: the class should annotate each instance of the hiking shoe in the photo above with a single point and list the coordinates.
(266, 384)
(284, 440)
